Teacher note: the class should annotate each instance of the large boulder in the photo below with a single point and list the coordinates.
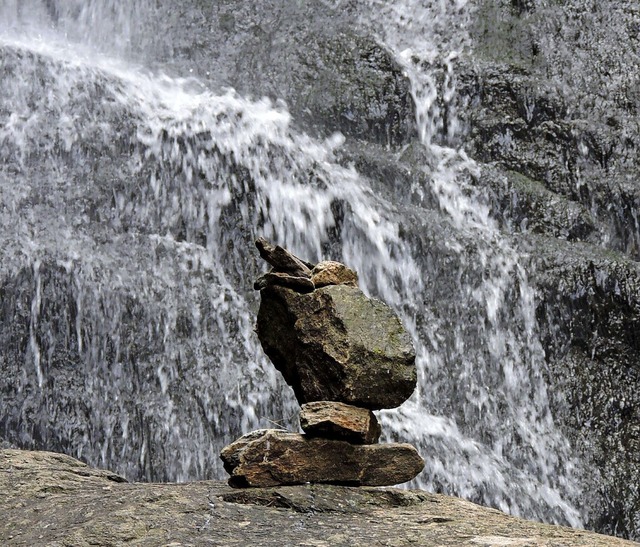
(335, 344)
(273, 457)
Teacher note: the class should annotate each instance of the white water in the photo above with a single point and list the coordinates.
(110, 26)
(503, 431)
(207, 173)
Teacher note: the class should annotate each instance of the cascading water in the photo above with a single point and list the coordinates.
(129, 201)
(110, 26)
(489, 379)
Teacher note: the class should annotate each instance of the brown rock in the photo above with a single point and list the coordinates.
(271, 279)
(332, 420)
(282, 260)
(271, 457)
(335, 344)
(329, 272)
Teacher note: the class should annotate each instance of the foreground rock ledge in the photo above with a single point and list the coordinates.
(54, 500)
(272, 457)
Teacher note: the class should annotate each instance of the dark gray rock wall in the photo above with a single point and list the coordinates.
(554, 123)
(590, 317)
(332, 75)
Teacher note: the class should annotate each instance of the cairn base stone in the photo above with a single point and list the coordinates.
(272, 457)
(332, 420)
(335, 344)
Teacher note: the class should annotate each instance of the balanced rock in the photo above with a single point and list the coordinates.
(332, 420)
(329, 272)
(299, 284)
(282, 260)
(272, 457)
(335, 344)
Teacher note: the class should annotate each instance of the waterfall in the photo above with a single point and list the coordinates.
(485, 370)
(109, 26)
(130, 203)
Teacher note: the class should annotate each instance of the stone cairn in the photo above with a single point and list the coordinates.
(344, 355)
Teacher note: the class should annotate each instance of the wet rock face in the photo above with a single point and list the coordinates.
(333, 75)
(554, 101)
(590, 320)
(357, 87)
(554, 123)
(335, 344)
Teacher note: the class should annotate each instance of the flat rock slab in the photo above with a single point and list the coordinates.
(335, 344)
(299, 284)
(54, 500)
(272, 457)
(332, 420)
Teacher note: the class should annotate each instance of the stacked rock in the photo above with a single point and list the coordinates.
(344, 355)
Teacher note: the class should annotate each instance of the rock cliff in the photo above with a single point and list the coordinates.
(98, 299)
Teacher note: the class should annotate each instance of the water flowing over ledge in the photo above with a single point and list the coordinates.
(129, 198)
